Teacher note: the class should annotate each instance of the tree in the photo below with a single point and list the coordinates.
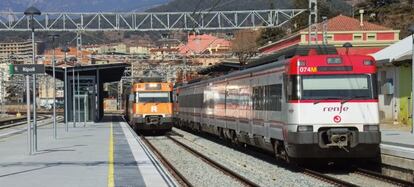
(15, 89)
(302, 21)
(244, 45)
(270, 35)
(396, 14)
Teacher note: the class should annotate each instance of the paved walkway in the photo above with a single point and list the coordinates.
(97, 155)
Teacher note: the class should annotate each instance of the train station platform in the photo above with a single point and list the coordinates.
(108, 153)
(397, 143)
(397, 154)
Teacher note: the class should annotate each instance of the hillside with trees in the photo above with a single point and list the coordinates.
(211, 5)
(396, 14)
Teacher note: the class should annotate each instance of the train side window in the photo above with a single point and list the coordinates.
(258, 98)
(274, 97)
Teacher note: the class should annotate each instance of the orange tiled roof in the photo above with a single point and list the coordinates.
(345, 23)
(200, 43)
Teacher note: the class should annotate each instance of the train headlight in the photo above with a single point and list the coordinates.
(371, 128)
(305, 128)
(301, 63)
(368, 62)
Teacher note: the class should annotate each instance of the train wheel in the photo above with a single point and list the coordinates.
(221, 134)
(234, 139)
(276, 150)
(281, 154)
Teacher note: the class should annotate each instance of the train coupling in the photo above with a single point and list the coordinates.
(153, 120)
(336, 137)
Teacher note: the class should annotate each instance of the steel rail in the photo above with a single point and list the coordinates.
(215, 164)
(382, 177)
(180, 177)
(326, 178)
(17, 122)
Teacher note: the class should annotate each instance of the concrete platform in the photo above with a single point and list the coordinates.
(397, 143)
(397, 154)
(100, 154)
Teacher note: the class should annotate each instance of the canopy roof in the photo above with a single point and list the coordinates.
(397, 52)
(107, 72)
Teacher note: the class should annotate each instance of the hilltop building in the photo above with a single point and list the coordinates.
(206, 49)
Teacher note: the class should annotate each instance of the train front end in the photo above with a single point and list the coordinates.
(332, 107)
(152, 106)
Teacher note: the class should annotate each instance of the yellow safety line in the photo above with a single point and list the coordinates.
(111, 182)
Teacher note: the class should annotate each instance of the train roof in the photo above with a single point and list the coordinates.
(268, 63)
(237, 73)
(148, 79)
(293, 51)
(221, 67)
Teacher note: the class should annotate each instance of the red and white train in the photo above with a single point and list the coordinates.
(313, 106)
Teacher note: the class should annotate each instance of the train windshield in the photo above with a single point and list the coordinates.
(318, 87)
(153, 97)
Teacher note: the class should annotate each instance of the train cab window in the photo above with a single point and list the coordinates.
(153, 97)
(132, 98)
(318, 87)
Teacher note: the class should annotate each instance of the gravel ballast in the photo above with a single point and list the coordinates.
(193, 168)
(258, 171)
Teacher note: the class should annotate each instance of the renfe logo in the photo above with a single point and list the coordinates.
(154, 108)
(336, 109)
(337, 119)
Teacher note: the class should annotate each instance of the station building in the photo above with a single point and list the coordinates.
(365, 37)
(394, 78)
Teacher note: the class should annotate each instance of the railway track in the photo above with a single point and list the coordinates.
(175, 172)
(215, 164)
(327, 177)
(17, 122)
(382, 177)
(180, 177)
(356, 171)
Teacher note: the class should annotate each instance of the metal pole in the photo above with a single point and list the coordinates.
(85, 99)
(29, 126)
(412, 82)
(54, 91)
(2, 93)
(73, 97)
(34, 93)
(78, 99)
(66, 96)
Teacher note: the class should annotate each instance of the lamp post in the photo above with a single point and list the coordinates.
(31, 12)
(65, 49)
(53, 37)
(78, 65)
(2, 93)
(73, 97)
(412, 80)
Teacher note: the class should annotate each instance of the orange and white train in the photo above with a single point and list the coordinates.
(149, 106)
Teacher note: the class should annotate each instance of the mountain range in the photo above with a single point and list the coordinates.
(80, 5)
(211, 5)
(151, 5)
